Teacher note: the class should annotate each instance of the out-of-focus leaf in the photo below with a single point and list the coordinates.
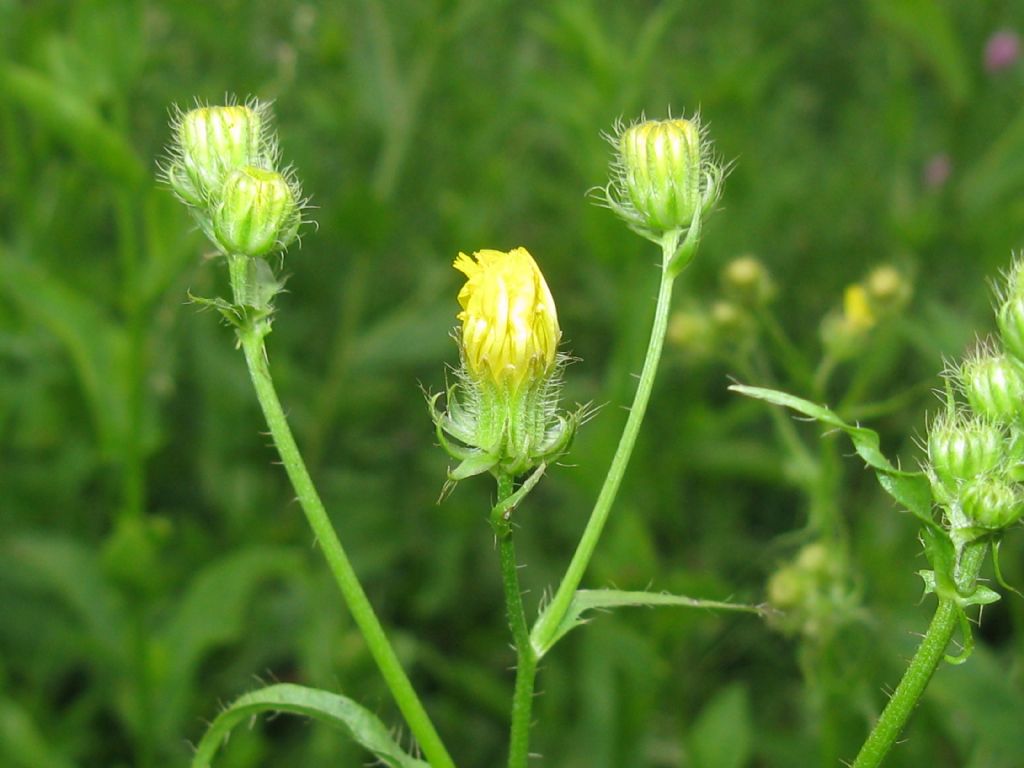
(928, 27)
(96, 345)
(596, 599)
(211, 613)
(991, 736)
(721, 735)
(999, 172)
(361, 724)
(74, 122)
(21, 743)
(73, 573)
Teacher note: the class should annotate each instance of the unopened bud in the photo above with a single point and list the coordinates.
(729, 320)
(258, 212)
(843, 334)
(212, 142)
(962, 447)
(991, 503)
(994, 385)
(746, 281)
(888, 290)
(664, 175)
(691, 331)
(1010, 319)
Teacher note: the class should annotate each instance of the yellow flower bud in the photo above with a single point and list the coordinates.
(502, 415)
(857, 308)
(510, 330)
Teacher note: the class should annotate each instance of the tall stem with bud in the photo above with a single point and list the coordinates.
(223, 166)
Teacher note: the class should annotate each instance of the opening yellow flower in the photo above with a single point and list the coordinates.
(510, 330)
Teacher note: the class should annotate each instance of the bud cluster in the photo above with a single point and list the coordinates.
(223, 164)
(974, 450)
(813, 592)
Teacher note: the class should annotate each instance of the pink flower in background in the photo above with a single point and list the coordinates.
(937, 170)
(1002, 50)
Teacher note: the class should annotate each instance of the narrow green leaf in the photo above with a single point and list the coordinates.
(911, 489)
(22, 743)
(73, 573)
(596, 599)
(930, 30)
(999, 172)
(362, 725)
(211, 613)
(73, 121)
(96, 345)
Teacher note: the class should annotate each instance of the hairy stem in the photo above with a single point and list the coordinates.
(526, 657)
(931, 651)
(546, 628)
(251, 336)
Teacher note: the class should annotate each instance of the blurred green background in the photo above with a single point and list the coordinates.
(152, 563)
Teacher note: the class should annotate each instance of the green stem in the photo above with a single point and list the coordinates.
(931, 651)
(526, 657)
(359, 605)
(546, 628)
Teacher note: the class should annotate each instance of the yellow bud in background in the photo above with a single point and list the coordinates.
(845, 333)
(510, 330)
(857, 308)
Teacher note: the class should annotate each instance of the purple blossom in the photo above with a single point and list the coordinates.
(1001, 50)
(937, 170)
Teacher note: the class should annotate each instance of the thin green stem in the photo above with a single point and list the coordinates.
(923, 665)
(546, 628)
(526, 658)
(359, 605)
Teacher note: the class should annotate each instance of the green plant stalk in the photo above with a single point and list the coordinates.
(251, 337)
(547, 625)
(526, 657)
(926, 660)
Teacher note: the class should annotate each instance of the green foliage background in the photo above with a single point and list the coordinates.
(152, 563)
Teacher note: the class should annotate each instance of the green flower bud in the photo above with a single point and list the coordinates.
(962, 447)
(212, 142)
(746, 281)
(1010, 319)
(994, 385)
(663, 175)
(257, 212)
(991, 503)
(813, 591)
